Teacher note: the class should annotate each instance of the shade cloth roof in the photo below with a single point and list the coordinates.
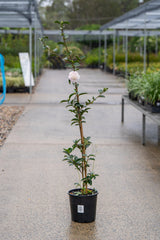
(145, 16)
(19, 14)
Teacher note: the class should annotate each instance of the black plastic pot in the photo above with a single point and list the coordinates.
(83, 207)
(141, 100)
(132, 96)
(153, 108)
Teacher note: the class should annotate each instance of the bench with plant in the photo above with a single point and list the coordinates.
(145, 88)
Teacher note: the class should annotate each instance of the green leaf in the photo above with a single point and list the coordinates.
(77, 58)
(105, 89)
(60, 43)
(101, 96)
(82, 57)
(66, 22)
(75, 122)
(91, 155)
(74, 119)
(67, 150)
(76, 64)
(100, 91)
(57, 22)
(69, 65)
(72, 94)
(63, 101)
(82, 94)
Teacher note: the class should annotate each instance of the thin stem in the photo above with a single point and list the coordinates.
(84, 166)
(84, 169)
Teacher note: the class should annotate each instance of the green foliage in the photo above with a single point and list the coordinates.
(146, 85)
(92, 57)
(89, 27)
(132, 57)
(79, 109)
(136, 84)
(88, 179)
(74, 51)
(13, 81)
(13, 44)
(13, 77)
(12, 61)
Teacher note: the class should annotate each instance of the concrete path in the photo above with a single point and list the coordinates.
(34, 180)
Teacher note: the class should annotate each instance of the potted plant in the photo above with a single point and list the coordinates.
(83, 198)
(152, 91)
(146, 88)
(135, 86)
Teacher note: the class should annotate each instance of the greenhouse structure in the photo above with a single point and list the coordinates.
(22, 14)
(142, 21)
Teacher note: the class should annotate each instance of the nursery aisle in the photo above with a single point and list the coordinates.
(34, 180)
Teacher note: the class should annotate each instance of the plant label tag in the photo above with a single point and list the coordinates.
(80, 208)
(158, 104)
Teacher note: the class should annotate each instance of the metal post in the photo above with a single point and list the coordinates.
(156, 45)
(123, 43)
(122, 111)
(38, 53)
(126, 55)
(99, 55)
(105, 52)
(114, 52)
(158, 136)
(35, 50)
(145, 49)
(118, 42)
(143, 129)
(145, 46)
(30, 56)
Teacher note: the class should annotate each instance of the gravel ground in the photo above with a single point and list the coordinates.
(8, 117)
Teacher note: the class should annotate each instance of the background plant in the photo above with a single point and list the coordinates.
(146, 85)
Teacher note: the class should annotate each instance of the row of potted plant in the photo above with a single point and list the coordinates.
(145, 88)
(134, 67)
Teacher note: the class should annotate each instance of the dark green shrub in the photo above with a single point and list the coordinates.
(92, 57)
(12, 61)
(75, 51)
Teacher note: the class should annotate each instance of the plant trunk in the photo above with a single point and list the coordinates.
(84, 169)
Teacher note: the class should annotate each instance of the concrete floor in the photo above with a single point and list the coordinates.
(34, 180)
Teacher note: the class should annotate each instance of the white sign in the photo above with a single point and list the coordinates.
(80, 208)
(25, 65)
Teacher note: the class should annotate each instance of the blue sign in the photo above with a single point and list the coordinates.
(3, 95)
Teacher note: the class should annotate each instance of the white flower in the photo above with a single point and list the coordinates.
(73, 76)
